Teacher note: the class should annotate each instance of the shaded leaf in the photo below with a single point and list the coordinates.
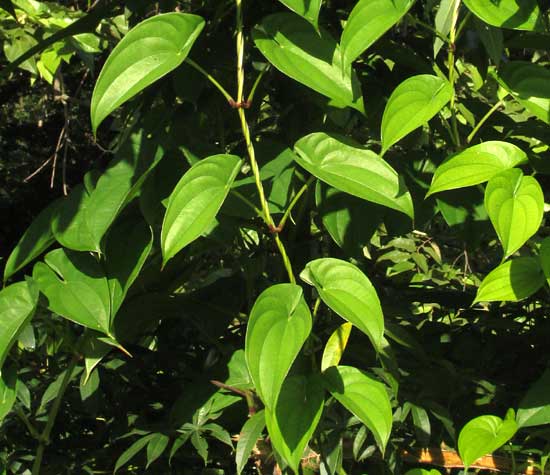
(8, 391)
(534, 408)
(336, 344)
(156, 446)
(250, 433)
(308, 9)
(132, 451)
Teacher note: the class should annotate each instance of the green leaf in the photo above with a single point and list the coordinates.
(534, 408)
(529, 84)
(349, 293)
(515, 204)
(37, 238)
(336, 344)
(443, 23)
(148, 52)
(17, 306)
(250, 433)
(8, 391)
(354, 170)
(493, 40)
(308, 9)
(310, 57)
(475, 165)
(512, 281)
(124, 259)
(295, 418)
(132, 451)
(364, 397)
(512, 14)
(156, 447)
(544, 257)
(483, 435)
(367, 22)
(423, 471)
(412, 104)
(280, 314)
(196, 200)
(76, 288)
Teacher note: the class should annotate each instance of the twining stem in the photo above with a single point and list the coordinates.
(295, 200)
(250, 146)
(484, 119)
(211, 78)
(452, 70)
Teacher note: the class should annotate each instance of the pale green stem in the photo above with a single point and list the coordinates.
(255, 85)
(484, 119)
(211, 78)
(452, 70)
(293, 203)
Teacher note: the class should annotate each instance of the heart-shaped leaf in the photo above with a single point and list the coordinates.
(196, 200)
(511, 281)
(475, 165)
(149, 51)
(412, 104)
(354, 170)
(367, 22)
(534, 408)
(295, 417)
(17, 306)
(308, 56)
(336, 344)
(364, 397)
(349, 292)
(280, 314)
(250, 433)
(308, 9)
(515, 204)
(529, 84)
(483, 435)
(76, 288)
(512, 14)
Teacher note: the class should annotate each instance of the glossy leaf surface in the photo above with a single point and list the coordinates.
(308, 9)
(412, 104)
(367, 22)
(295, 418)
(149, 51)
(354, 170)
(349, 293)
(250, 433)
(312, 58)
(534, 408)
(483, 435)
(196, 200)
(475, 165)
(336, 344)
(17, 306)
(512, 281)
(515, 204)
(280, 314)
(364, 397)
(512, 14)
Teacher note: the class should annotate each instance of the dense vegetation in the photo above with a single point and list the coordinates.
(294, 236)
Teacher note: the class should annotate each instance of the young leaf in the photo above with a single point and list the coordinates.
(512, 281)
(534, 408)
(76, 288)
(483, 435)
(367, 22)
(336, 344)
(132, 451)
(308, 9)
(308, 56)
(295, 418)
(250, 433)
(17, 306)
(354, 170)
(196, 200)
(348, 292)
(475, 165)
(515, 204)
(8, 392)
(37, 238)
(529, 84)
(413, 103)
(512, 14)
(149, 51)
(280, 314)
(364, 397)
(156, 447)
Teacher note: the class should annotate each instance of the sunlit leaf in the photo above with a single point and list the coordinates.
(513, 14)
(250, 433)
(308, 9)
(156, 447)
(336, 344)
(534, 408)
(132, 451)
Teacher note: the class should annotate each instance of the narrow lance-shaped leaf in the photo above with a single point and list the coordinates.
(308, 56)
(412, 104)
(349, 292)
(336, 344)
(443, 23)
(511, 281)
(512, 14)
(280, 314)
(515, 204)
(364, 397)
(250, 433)
(132, 451)
(196, 200)
(17, 306)
(475, 165)
(308, 9)
(367, 22)
(156, 447)
(295, 417)
(149, 51)
(344, 165)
